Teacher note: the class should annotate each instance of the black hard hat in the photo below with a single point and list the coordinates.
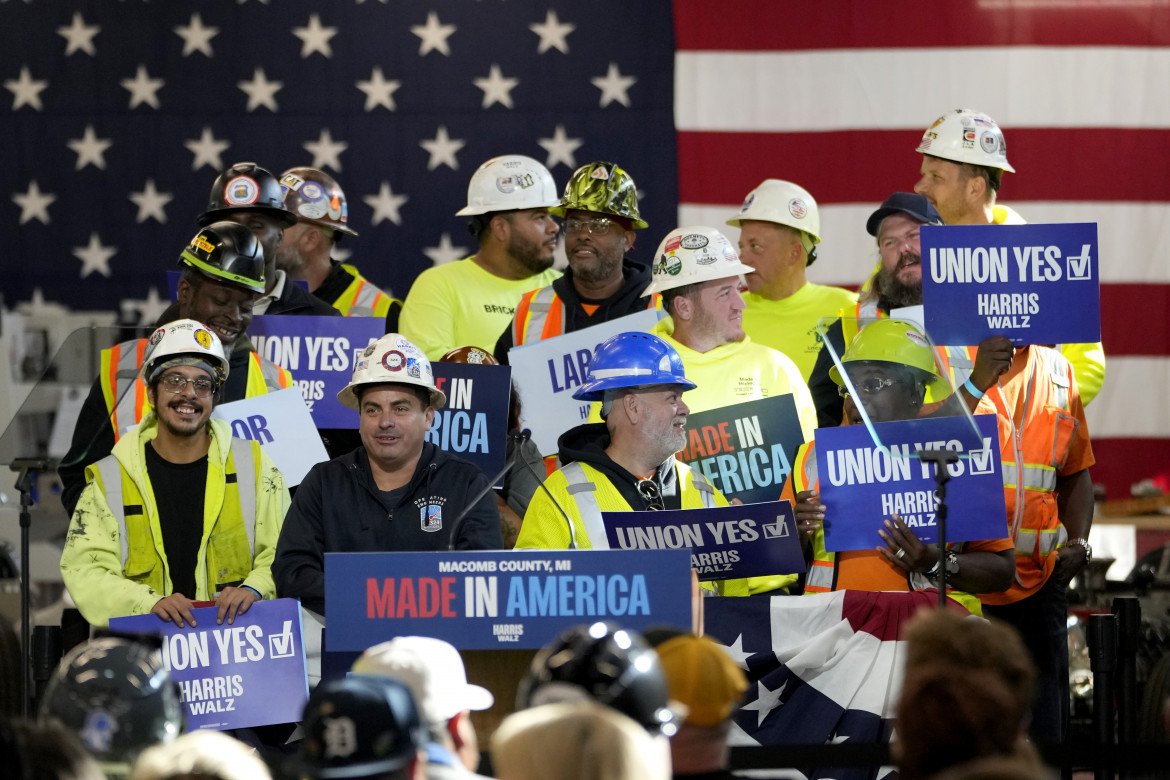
(229, 253)
(246, 187)
(359, 726)
(605, 663)
(117, 696)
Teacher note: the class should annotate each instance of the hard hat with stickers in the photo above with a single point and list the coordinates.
(693, 254)
(392, 359)
(603, 188)
(247, 187)
(966, 136)
(229, 253)
(509, 183)
(315, 197)
(185, 339)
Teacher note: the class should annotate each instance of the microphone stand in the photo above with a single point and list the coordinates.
(26, 469)
(941, 458)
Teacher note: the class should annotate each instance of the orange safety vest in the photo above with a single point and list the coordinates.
(822, 573)
(1033, 455)
(125, 392)
(541, 315)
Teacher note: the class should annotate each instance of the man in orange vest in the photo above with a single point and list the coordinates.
(305, 252)
(600, 212)
(222, 275)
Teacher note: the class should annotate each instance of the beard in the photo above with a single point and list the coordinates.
(601, 272)
(892, 293)
(534, 256)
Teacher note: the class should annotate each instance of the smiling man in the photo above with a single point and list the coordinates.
(222, 273)
(180, 511)
(396, 492)
(600, 209)
(628, 462)
(469, 302)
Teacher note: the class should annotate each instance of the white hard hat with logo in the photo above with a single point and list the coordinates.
(508, 183)
(184, 343)
(966, 136)
(392, 359)
(694, 254)
(784, 203)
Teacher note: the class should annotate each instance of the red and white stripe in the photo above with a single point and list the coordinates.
(835, 96)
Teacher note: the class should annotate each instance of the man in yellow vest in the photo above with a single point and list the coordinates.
(964, 157)
(180, 511)
(222, 273)
(780, 227)
(471, 301)
(306, 248)
(892, 367)
(626, 463)
(600, 212)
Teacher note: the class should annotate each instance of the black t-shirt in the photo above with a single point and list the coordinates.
(179, 490)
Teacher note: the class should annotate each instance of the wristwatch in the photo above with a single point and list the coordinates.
(1083, 543)
(950, 560)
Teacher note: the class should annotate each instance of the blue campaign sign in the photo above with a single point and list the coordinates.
(745, 450)
(727, 542)
(861, 485)
(321, 353)
(251, 673)
(499, 600)
(1035, 284)
(473, 424)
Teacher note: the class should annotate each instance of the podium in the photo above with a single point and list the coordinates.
(499, 607)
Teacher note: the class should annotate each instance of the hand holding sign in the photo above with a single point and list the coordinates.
(903, 547)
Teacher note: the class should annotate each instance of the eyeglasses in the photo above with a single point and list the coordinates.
(648, 489)
(871, 385)
(176, 383)
(596, 227)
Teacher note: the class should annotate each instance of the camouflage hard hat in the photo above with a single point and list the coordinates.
(603, 188)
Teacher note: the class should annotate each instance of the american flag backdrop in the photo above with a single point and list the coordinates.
(116, 116)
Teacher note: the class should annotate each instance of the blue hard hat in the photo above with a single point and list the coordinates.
(632, 360)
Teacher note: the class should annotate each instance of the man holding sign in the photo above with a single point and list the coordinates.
(626, 463)
(964, 157)
(180, 511)
(397, 492)
(892, 367)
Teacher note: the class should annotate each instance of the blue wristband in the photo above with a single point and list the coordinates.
(973, 390)
(249, 587)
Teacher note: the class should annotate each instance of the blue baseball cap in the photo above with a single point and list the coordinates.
(908, 203)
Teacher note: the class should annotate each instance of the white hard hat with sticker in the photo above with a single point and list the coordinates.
(694, 254)
(784, 203)
(184, 338)
(966, 136)
(392, 359)
(508, 183)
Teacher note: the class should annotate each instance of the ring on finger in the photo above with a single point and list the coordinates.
(901, 553)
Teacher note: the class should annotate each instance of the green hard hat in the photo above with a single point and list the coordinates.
(603, 188)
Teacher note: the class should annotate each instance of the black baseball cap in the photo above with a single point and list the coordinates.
(359, 726)
(909, 203)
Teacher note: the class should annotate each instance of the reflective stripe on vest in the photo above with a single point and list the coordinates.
(581, 489)
(241, 453)
(706, 490)
(125, 395)
(541, 315)
(264, 376)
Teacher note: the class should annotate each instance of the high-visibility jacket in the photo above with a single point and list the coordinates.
(126, 403)
(114, 562)
(541, 315)
(1050, 442)
(825, 566)
(584, 492)
(362, 298)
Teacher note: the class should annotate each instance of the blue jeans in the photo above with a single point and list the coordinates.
(1042, 620)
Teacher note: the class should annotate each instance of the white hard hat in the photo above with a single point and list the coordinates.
(510, 182)
(392, 359)
(187, 343)
(694, 254)
(966, 136)
(784, 203)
